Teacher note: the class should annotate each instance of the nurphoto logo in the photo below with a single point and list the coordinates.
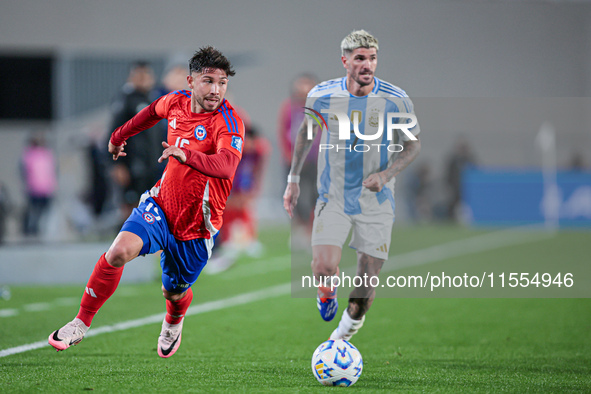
(349, 129)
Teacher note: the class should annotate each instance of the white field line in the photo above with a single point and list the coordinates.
(259, 267)
(240, 299)
(8, 312)
(58, 302)
(480, 243)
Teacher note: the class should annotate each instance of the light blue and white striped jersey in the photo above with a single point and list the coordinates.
(344, 164)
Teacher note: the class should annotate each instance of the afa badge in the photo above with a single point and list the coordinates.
(200, 133)
(237, 143)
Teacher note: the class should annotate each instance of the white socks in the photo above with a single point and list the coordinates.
(347, 327)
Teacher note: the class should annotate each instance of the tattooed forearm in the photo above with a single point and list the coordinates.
(404, 158)
(301, 148)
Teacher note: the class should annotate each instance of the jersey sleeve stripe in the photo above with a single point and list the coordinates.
(393, 90)
(230, 115)
(393, 93)
(183, 92)
(388, 89)
(233, 120)
(389, 85)
(228, 123)
(376, 85)
(327, 85)
(407, 106)
(322, 88)
(318, 89)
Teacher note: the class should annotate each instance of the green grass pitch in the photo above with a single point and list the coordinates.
(408, 344)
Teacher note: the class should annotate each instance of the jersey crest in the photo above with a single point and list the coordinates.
(200, 133)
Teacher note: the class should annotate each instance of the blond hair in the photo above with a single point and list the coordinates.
(358, 39)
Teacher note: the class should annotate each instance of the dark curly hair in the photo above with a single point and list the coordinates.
(209, 57)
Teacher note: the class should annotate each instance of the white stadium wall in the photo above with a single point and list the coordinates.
(430, 48)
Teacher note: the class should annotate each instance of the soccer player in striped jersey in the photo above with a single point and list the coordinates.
(182, 214)
(356, 174)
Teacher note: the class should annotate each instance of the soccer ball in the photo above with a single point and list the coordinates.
(337, 363)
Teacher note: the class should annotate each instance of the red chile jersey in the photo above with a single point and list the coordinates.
(193, 203)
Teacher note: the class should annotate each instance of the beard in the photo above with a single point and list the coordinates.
(207, 105)
(360, 78)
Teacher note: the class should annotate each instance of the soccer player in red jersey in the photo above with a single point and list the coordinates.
(182, 214)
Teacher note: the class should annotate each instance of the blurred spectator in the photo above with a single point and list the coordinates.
(139, 170)
(100, 187)
(39, 175)
(577, 162)
(239, 233)
(291, 117)
(175, 78)
(461, 158)
(419, 193)
(5, 209)
(5, 293)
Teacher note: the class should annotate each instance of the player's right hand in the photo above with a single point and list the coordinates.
(290, 197)
(172, 151)
(117, 150)
(375, 182)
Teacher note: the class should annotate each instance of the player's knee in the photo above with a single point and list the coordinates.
(172, 296)
(119, 254)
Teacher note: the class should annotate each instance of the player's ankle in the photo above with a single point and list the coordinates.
(173, 320)
(85, 316)
(83, 326)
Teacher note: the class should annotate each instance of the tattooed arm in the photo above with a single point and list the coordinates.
(375, 182)
(301, 149)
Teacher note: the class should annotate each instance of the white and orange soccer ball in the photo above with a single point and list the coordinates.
(337, 363)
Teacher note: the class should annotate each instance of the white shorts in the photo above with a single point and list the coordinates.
(371, 232)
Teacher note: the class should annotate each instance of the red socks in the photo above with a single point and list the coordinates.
(101, 285)
(176, 309)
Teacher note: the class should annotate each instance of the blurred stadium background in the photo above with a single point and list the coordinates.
(509, 80)
(463, 61)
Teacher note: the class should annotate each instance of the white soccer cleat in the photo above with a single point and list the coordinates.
(169, 339)
(70, 334)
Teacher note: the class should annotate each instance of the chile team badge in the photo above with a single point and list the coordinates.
(200, 133)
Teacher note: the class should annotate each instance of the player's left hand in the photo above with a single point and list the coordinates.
(290, 197)
(375, 182)
(174, 151)
(117, 150)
